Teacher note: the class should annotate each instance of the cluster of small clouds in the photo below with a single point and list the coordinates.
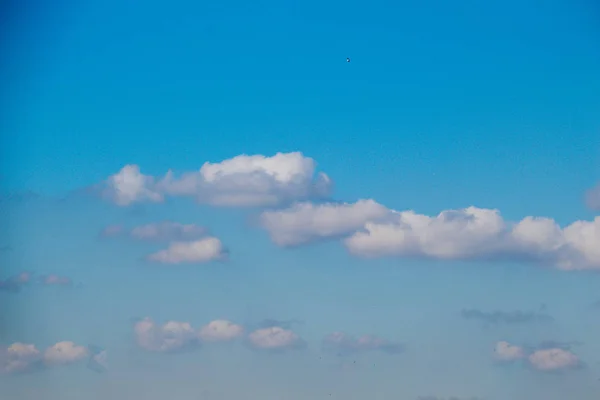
(506, 317)
(22, 357)
(547, 359)
(15, 283)
(188, 243)
(174, 336)
(366, 228)
(242, 181)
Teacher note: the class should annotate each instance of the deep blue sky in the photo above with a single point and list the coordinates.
(444, 105)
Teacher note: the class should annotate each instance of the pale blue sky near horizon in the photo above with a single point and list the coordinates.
(443, 106)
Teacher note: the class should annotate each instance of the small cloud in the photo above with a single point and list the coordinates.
(285, 324)
(554, 359)
(344, 344)
(242, 181)
(504, 317)
(171, 337)
(64, 353)
(303, 223)
(198, 251)
(506, 352)
(19, 358)
(275, 339)
(56, 280)
(546, 360)
(220, 331)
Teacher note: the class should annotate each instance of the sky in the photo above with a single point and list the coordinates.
(207, 201)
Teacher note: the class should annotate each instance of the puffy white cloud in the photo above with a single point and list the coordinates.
(19, 357)
(170, 337)
(546, 359)
(220, 331)
(553, 359)
(306, 222)
(274, 338)
(372, 230)
(245, 180)
(504, 351)
(198, 251)
(341, 342)
(592, 198)
(64, 353)
(167, 231)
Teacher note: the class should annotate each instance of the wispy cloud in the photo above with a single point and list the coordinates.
(344, 344)
(592, 197)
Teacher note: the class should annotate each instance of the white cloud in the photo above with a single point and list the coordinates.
(170, 337)
(198, 251)
(372, 230)
(64, 353)
(167, 231)
(553, 359)
(546, 360)
(592, 198)
(220, 331)
(504, 351)
(274, 338)
(18, 357)
(242, 181)
(306, 222)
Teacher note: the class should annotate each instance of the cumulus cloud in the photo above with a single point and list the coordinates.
(475, 233)
(506, 317)
(242, 181)
(553, 360)
(275, 338)
(307, 222)
(466, 234)
(344, 344)
(504, 351)
(220, 331)
(22, 357)
(592, 198)
(546, 359)
(173, 336)
(63, 353)
(192, 252)
(19, 357)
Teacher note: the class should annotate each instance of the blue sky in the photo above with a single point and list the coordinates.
(304, 212)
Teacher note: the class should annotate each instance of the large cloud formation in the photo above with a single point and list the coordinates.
(466, 234)
(22, 357)
(545, 359)
(242, 181)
